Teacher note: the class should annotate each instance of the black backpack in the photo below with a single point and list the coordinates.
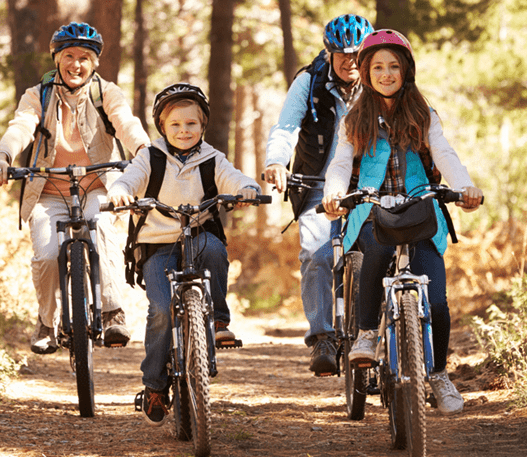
(136, 254)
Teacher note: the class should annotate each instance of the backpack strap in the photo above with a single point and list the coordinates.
(207, 170)
(96, 98)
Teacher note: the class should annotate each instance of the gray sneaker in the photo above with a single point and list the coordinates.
(449, 400)
(324, 356)
(115, 332)
(43, 340)
(364, 346)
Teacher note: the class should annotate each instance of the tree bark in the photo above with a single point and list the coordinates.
(290, 59)
(259, 152)
(220, 91)
(140, 74)
(105, 16)
(392, 14)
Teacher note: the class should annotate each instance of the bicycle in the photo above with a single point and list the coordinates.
(404, 356)
(80, 328)
(193, 358)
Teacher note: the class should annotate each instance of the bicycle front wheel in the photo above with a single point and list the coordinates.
(413, 375)
(82, 343)
(197, 373)
(356, 378)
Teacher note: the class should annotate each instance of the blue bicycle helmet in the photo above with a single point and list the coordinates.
(75, 34)
(345, 33)
(179, 91)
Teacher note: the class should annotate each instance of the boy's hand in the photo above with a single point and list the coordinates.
(246, 193)
(332, 206)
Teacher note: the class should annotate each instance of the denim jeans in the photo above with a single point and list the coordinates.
(316, 257)
(213, 256)
(425, 260)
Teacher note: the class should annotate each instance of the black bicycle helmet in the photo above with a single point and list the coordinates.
(75, 34)
(345, 33)
(181, 91)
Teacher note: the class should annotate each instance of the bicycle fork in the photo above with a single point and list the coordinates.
(178, 311)
(93, 257)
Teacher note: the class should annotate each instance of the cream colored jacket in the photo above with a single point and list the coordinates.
(100, 146)
(181, 185)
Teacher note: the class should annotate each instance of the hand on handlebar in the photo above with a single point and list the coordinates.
(248, 193)
(277, 174)
(332, 206)
(473, 197)
(121, 199)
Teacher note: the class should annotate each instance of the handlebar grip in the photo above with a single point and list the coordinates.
(320, 208)
(106, 206)
(265, 198)
(262, 176)
(451, 196)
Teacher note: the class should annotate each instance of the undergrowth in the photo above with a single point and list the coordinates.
(504, 336)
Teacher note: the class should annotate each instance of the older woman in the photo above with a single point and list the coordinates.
(72, 132)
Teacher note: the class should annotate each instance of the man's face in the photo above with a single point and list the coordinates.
(345, 66)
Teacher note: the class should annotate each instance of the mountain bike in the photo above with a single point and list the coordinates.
(193, 355)
(404, 356)
(80, 328)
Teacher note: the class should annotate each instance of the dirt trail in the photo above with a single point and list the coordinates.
(265, 403)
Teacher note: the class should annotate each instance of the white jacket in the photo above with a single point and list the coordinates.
(181, 185)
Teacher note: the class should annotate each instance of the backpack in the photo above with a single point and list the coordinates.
(46, 84)
(136, 254)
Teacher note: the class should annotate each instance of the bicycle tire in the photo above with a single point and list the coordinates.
(413, 392)
(197, 373)
(356, 379)
(82, 343)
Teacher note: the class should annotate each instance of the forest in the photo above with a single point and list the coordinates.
(471, 66)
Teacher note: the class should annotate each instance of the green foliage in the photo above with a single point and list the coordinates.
(504, 336)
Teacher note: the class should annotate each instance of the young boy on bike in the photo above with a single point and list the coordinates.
(181, 112)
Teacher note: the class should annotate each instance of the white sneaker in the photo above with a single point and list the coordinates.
(449, 400)
(43, 340)
(365, 345)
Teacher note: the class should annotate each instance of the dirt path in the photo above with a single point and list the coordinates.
(265, 403)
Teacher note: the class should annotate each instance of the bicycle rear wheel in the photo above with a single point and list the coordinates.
(356, 378)
(197, 373)
(82, 319)
(413, 386)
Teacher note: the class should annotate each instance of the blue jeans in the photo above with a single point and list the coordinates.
(316, 257)
(213, 256)
(425, 260)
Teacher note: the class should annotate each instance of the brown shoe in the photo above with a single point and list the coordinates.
(115, 331)
(222, 331)
(43, 340)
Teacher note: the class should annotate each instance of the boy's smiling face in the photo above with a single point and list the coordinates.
(183, 127)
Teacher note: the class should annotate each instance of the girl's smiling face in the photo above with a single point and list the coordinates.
(75, 66)
(183, 127)
(385, 73)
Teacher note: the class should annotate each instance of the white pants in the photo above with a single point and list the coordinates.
(44, 264)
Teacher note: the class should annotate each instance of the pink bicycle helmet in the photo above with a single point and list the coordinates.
(385, 38)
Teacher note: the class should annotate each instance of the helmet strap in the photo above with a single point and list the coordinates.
(71, 90)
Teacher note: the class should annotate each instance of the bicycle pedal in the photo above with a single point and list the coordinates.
(326, 375)
(228, 344)
(114, 345)
(138, 402)
(364, 363)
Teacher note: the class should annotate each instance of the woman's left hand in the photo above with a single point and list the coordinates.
(472, 199)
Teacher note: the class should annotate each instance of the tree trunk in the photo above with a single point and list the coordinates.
(24, 25)
(290, 60)
(392, 14)
(140, 76)
(220, 92)
(105, 16)
(259, 152)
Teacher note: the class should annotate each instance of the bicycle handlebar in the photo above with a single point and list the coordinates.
(299, 180)
(370, 195)
(146, 204)
(71, 170)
